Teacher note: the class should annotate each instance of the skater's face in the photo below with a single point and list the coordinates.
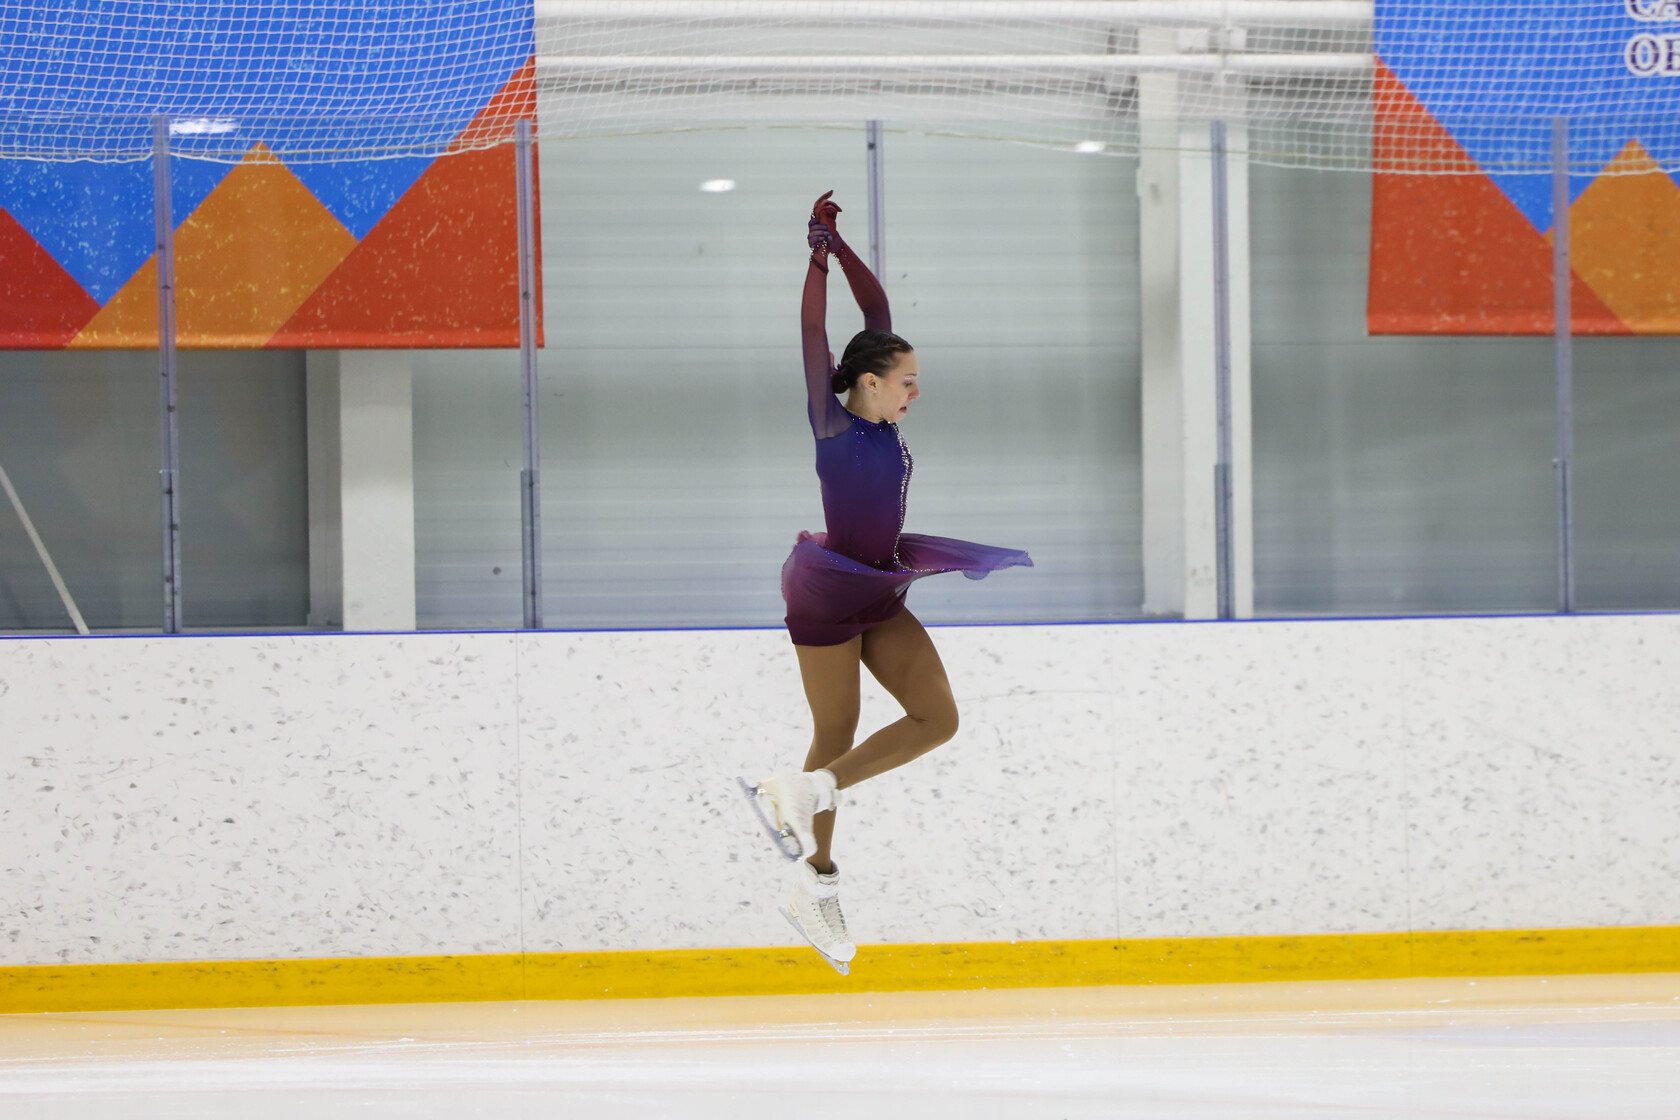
(891, 393)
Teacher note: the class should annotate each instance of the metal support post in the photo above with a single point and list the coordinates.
(171, 473)
(1563, 328)
(1224, 538)
(530, 490)
(877, 222)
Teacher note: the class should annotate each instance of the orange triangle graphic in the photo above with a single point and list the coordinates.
(441, 268)
(245, 260)
(251, 253)
(1450, 254)
(1625, 241)
(129, 319)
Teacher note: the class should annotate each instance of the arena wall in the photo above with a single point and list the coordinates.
(342, 795)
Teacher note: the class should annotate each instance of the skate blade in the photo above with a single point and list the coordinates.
(786, 842)
(844, 968)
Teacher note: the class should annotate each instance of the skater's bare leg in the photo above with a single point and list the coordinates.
(830, 674)
(901, 656)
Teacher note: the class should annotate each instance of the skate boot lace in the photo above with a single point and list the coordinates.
(833, 920)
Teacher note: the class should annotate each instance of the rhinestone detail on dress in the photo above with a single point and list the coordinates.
(903, 493)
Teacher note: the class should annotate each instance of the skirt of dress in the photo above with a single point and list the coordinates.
(832, 598)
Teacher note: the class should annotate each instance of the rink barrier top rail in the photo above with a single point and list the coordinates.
(1132, 621)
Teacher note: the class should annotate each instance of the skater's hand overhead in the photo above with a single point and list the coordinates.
(821, 227)
(825, 209)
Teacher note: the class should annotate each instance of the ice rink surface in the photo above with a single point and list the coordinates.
(1533, 1048)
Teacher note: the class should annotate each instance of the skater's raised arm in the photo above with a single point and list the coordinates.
(866, 289)
(828, 416)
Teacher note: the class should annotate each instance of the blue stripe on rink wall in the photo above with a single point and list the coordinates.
(281, 632)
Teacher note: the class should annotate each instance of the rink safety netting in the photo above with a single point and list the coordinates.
(310, 81)
(82, 79)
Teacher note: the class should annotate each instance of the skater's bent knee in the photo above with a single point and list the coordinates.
(948, 724)
(940, 725)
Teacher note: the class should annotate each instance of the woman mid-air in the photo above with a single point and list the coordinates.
(845, 588)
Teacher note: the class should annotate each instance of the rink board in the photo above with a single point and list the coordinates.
(278, 799)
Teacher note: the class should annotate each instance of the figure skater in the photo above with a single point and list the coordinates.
(845, 588)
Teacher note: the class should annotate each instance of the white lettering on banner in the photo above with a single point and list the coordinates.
(1651, 10)
(1652, 55)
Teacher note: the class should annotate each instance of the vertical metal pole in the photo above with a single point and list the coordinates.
(1563, 328)
(1223, 537)
(530, 490)
(877, 222)
(163, 217)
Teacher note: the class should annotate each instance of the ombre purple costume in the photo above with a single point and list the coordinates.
(840, 583)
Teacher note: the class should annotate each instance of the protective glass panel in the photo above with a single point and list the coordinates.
(677, 461)
(81, 443)
(1402, 475)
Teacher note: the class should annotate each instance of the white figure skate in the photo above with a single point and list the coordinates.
(814, 910)
(785, 805)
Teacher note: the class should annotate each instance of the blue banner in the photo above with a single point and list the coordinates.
(314, 82)
(1495, 74)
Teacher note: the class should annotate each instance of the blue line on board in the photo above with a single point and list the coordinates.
(931, 625)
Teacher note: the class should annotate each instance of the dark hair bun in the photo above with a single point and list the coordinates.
(868, 352)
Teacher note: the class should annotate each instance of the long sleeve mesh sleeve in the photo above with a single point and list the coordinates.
(866, 289)
(828, 416)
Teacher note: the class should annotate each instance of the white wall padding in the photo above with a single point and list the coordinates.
(341, 795)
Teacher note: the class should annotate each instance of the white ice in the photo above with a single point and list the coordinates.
(1528, 1048)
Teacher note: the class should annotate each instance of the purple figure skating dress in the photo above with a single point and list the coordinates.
(840, 583)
